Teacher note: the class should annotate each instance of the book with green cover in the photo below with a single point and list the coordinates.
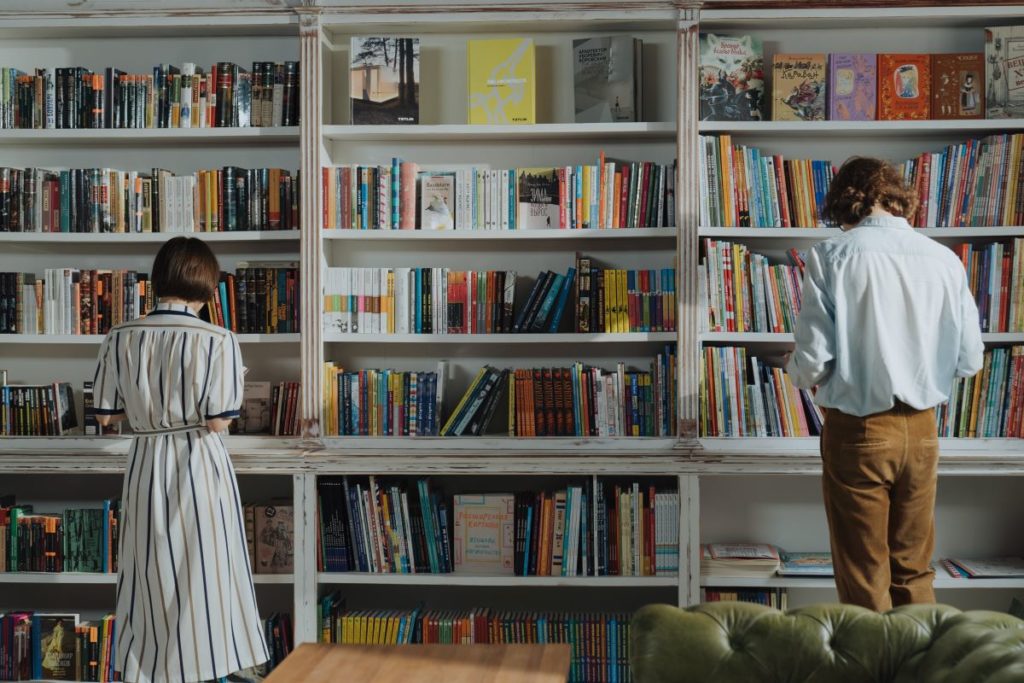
(806, 564)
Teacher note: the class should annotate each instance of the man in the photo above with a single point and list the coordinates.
(887, 322)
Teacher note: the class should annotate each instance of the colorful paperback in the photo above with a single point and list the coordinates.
(437, 197)
(806, 564)
(958, 82)
(904, 87)
(484, 534)
(731, 78)
(799, 85)
(852, 87)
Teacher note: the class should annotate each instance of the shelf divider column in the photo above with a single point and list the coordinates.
(687, 214)
(689, 540)
(304, 620)
(311, 40)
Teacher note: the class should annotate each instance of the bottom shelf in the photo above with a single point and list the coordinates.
(352, 578)
(50, 578)
(941, 583)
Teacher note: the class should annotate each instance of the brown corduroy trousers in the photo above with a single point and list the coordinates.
(878, 479)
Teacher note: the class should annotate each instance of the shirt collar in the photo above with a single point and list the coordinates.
(172, 309)
(884, 222)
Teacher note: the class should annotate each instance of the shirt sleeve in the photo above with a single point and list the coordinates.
(811, 362)
(107, 399)
(224, 393)
(972, 348)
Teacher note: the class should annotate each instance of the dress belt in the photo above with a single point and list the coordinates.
(169, 430)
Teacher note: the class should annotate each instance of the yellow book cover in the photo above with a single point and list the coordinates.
(624, 301)
(502, 81)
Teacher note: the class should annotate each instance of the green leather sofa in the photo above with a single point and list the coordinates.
(730, 642)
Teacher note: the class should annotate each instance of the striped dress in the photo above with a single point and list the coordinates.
(186, 607)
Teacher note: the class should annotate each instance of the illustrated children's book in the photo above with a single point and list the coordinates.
(731, 78)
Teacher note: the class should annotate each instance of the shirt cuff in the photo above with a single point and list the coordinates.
(223, 416)
(107, 411)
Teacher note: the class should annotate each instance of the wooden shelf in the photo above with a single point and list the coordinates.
(872, 129)
(786, 338)
(363, 578)
(447, 133)
(807, 237)
(128, 238)
(76, 339)
(499, 446)
(504, 236)
(149, 137)
(504, 339)
(859, 18)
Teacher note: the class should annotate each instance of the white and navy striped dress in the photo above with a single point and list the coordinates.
(186, 607)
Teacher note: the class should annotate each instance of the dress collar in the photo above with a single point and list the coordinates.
(884, 222)
(172, 309)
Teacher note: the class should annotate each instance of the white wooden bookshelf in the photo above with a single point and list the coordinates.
(730, 489)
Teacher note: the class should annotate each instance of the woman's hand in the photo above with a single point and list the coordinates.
(107, 420)
(218, 424)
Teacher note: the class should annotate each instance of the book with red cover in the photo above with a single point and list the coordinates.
(958, 85)
(904, 87)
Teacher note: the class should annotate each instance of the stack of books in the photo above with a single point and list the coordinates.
(738, 561)
(990, 568)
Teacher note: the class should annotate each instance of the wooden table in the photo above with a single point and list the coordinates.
(317, 663)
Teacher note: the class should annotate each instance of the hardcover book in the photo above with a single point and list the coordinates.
(731, 78)
(384, 80)
(806, 564)
(537, 190)
(958, 83)
(437, 201)
(484, 537)
(53, 645)
(1004, 72)
(255, 413)
(275, 531)
(502, 81)
(799, 87)
(904, 87)
(607, 73)
(852, 87)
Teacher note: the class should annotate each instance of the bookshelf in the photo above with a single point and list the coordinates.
(730, 489)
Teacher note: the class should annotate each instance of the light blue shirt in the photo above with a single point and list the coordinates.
(886, 313)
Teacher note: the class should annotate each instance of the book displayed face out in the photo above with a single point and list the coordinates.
(384, 80)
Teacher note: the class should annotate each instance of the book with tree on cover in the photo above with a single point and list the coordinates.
(384, 80)
(1004, 72)
(958, 82)
(484, 526)
(852, 87)
(537, 191)
(731, 78)
(904, 87)
(607, 74)
(799, 85)
(502, 81)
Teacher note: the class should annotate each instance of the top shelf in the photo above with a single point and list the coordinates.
(447, 133)
(874, 129)
(149, 137)
(956, 15)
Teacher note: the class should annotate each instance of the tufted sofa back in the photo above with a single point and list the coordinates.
(729, 642)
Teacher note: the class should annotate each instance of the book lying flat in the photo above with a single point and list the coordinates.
(739, 560)
(806, 564)
(991, 568)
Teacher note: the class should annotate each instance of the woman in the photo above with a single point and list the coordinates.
(186, 608)
(886, 323)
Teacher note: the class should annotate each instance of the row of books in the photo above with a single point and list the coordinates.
(856, 86)
(760, 560)
(637, 531)
(599, 641)
(743, 292)
(57, 647)
(370, 526)
(996, 278)
(743, 396)
(227, 95)
(37, 410)
(607, 195)
(384, 80)
(77, 540)
(990, 404)
(103, 200)
(383, 402)
(258, 298)
(62, 647)
(769, 597)
(269, 536)
(446, 301)
(742, 186)
(976, 183)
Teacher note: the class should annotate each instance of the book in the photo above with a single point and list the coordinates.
(37, 410)
(383, 402)
(991, 568)
(731, 78)
(738, 560)
(255, 413)
(769, 597)
(274, 544)
(53, 646)
(437, 197)
(483, 538)
(384, 80)
(989, 404)
(958, 85)
(537, 192)
(1004, 81)
(799, 87)
(502, 81)
(805, 564)
(852, 86)
(607, 79)
(904, 87)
